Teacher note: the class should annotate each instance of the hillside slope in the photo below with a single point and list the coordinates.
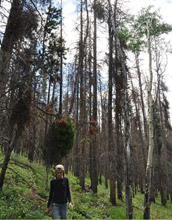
(24, 196)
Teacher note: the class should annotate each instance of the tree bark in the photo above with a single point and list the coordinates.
(128, 186)
(5, 165)
(111, 147)
(147, 202)
(119, 142)
(12, 144)
(82, 104)
(45, 134)
(142, 98)
(139, 126)
(94, 176)
(162, 153)
(61, 65)
(11, 36)
(76, 147)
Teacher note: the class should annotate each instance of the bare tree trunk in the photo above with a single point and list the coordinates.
(74, 95)
(47, 177)
(90, 99)
(119, 142)
(34, 128)
(76, 149)
(163, 177)
(128, 186)
(139, 126)
(5, 165)
(128, 172)
(12, 143)
(9, 39)
(142, 99)
(162, 154)
(119, 88)
(111, 147)
(45, 134)
(147, 202)
(94, 176)
(61, 65)
(82, 104)
(120, 160)
(103, 140)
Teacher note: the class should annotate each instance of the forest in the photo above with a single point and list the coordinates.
(105, 118)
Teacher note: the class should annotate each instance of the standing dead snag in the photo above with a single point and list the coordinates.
(147, 202)
(20, 118)
(128, 179)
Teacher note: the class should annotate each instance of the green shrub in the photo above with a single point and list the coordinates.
(59, 140)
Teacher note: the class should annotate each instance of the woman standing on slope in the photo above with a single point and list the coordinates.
(59, 195)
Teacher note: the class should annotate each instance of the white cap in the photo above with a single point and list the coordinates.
(60, 167)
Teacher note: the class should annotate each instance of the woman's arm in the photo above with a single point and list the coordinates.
(68, 190)
(50, 194)
(69, 195)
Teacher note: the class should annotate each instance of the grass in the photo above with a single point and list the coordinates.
(18, 200)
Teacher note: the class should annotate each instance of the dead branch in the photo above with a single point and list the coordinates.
(20, 176)
(24, 166)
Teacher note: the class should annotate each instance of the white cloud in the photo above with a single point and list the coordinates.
(69, 8)
(165, 7)
(70, 17)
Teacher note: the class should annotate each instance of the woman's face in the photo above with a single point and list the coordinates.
(59, 174)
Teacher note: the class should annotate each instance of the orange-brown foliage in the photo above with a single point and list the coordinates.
(94, 123)
(49, 108)
(60, 121)
(94, 132)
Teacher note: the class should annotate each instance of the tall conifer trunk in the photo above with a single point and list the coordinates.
(111, 147)
(118, 117)
(13, 139)
(61, 64)
(9, 39)
(119, 142)
(128, 179)
(82, 104)
(161, 145)
(147, 201)
(94, 146)
(142, 98)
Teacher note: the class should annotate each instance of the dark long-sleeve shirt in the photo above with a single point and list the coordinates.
(59, 191)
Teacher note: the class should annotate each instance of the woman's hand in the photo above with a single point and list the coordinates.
(70, 206)
(47, 211)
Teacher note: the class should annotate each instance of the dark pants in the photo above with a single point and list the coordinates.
(59, 211)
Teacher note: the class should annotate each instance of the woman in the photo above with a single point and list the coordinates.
(59, 195)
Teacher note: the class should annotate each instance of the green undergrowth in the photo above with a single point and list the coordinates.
(24, 196)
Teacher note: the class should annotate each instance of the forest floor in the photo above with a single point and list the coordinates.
(24, 196)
